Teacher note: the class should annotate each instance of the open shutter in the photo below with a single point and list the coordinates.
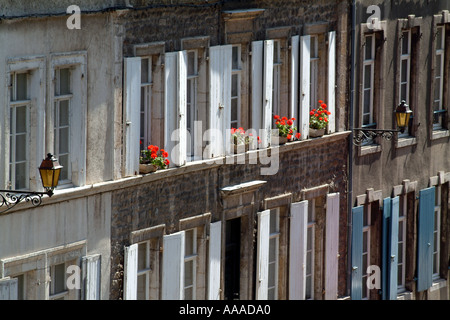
(132, 114)
(332, 247)
(305, 56)
(262, 259)
(425, 239)
(295, 51)
(215, 236)
(130, 272)
(226, 62)
(356, 251)
(385, 248)
(393, 249)
(331, 103)
(9, 288)
(173, 267)
(91, 276)
(297, 250)
(267, 93)
(181, 109)
(257, 82)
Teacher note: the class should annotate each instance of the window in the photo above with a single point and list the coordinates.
(314, 71)
(438, 108)
(368, 82)
(437, 233)
(146, 101)
(62, 100)
(144, 271)
(366, 249)
(276, 88)
(402, 243)
(405, 72)
(310, 250)
(190, 264)
(19, 107)
(236, 86)
(191, 100)
(58, 290)
(274, 243)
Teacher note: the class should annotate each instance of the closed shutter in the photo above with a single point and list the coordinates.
(173, 267)
(132, 114)
(331, 103)
(257, 83)
(130, 272)
(267, 93)
(262, 259)
(332, 247)
(9, 288)
(297, 250)
(220, 99)
(357, 251)
(91, 276)
(391, 210)
(385, 248)
(215, 237)
(175, 106)
(425, 245)
(305, 56)
(295, 51)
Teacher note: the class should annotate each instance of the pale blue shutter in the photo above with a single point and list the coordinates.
(385, 244)
(391, 208)
(425, 239)
(357, 251)
(9, 288)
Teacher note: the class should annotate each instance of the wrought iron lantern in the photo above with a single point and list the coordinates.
(49, 170)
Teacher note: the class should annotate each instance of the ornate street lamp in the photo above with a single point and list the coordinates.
(49, 170)
(402, 115)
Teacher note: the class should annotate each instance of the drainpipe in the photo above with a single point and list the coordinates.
(350, 156)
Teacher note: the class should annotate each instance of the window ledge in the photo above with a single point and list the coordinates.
(369, 149)
(407, 295)
(405, 142)
(438, 284)
(438, 134)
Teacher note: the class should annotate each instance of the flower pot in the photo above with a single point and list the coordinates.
(241, 148)
(281, 140)
(313, 133)
(147, 168)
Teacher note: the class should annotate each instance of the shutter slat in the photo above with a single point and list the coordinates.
(257, 83)
(425, 239)
(215, 237)
(297, 250)
(305, 42)
(331, 103)
(173, 267)
(132, 70)
(356, 251)
(332, 247)
(262, 259)
(130, 272)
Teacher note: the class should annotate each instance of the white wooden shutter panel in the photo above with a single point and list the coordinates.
(267, 92)
(215, 237)
(305, 43)
(226, 53)
(215, 102)
(293, 113)
(262, 259)
(132, 114)
(173, 267)
(130, 272)
(331, 103)
(297, 250)
(257, 83)
(332, 246)
(9, 288)
(180, 158)
(91, 276)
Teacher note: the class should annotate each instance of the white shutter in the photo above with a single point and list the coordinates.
(181, 110)
(215, 236)
(331, 103)
(257, 77)
(267, 92)
(132, 114)
(173, 267)
(305, 43)
(215, 101)
(227, 52)
(262, 259)
(297, 250)
(91, 276)
(293, 113)
(130, 272)
(9, 288)
(332, 246)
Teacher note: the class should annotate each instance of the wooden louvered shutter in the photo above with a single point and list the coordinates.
(173, 267)
(332, 247)
(331, 103)
(305, 56)
(130, 272)
(357, 251)
(215, 237)
(262, 259)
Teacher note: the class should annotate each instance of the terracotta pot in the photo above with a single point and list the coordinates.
(314, 133)
(145, 168)
(281, 140)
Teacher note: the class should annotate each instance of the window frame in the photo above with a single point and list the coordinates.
(146, 104)
(274, 236)
(310, 249)
(276, 87)
(439, 53)
(192, 80)
(236, 72)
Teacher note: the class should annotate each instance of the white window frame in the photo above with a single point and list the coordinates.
(276, 89)
(58, 295)
(191, 105)
(236, 72)
(437, 233)
(145, 272)
(314, 71)
(402, 235)
(368, 62)
(193, 257)
(146, 104)
(310, 249)
(439, 79)
(405, 57)
(366, 254)
(274, 236)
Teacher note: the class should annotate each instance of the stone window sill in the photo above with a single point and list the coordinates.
(438, 134)
(438, 284)
(369, 149)
(405, 142)
(407, 295)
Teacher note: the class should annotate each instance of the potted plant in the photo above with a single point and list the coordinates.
(153, 159)
(318, 120)
(286, 129)
(241, 138)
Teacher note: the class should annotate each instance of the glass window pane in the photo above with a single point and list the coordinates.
(63, 140)
(271, 280)
(21, 147)
(188, 293)
(308, 294)
(272, 249)
(309, 235)
(365, 238)
(367, 76)
(188, 273)
(404, 72)
(400, 253)
(191, 63)
(405, 40)
(21, 86)
(368, 51)
(271, 294)
(141, 287)
(64, 81)
(367, 101)
(273, 221)
(400, 231)
(439, 38)
(235, 58)
(21, 170)
(189, 246)
(234, 85)
(403, 92)
(313, 47)
(234, 109)
(64, 161)
(64, 113)
(142, 256)
(309, 262)
(21, 119)
(59, 278)
(144, 71)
